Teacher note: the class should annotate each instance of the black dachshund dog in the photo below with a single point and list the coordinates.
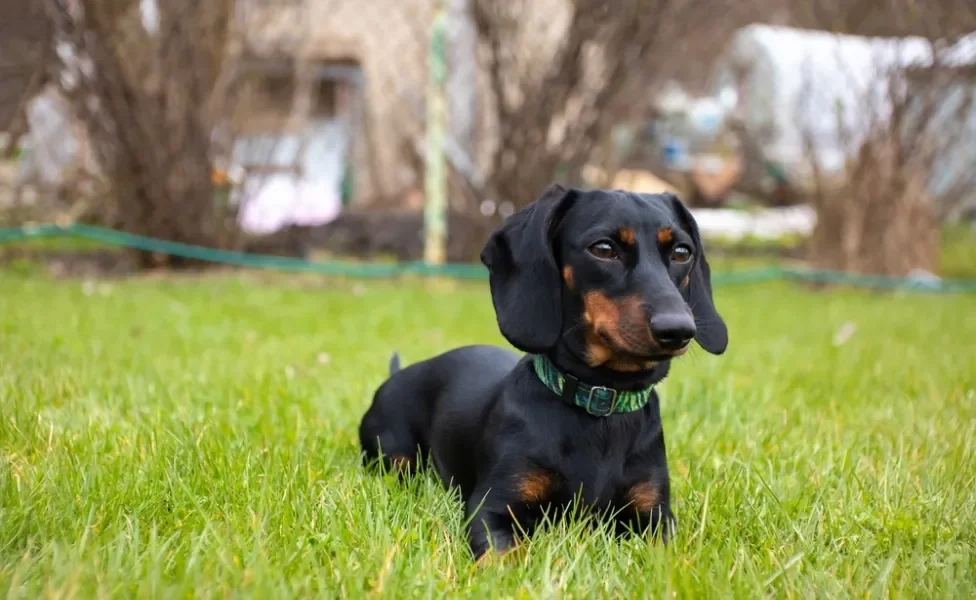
(601, 289)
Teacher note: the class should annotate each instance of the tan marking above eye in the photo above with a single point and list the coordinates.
(627, 236)
(665, 235)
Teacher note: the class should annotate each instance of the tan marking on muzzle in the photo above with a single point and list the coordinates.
(568, 276)
(615, 327)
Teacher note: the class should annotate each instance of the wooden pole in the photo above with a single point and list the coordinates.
(435, 168)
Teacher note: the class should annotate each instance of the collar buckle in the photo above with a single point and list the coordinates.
(607, 397)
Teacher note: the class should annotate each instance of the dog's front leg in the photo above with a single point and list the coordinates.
(490, 524)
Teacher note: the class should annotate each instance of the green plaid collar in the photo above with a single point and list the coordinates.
(597, 400)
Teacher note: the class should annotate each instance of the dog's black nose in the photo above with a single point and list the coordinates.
(673, 331)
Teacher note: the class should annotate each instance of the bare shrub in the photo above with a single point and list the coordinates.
(556, 105)
(880, 201)
(25, 52)
(151, 87)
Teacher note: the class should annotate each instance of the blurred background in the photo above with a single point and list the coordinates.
(837, 134)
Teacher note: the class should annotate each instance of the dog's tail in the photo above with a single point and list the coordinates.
(394, 363)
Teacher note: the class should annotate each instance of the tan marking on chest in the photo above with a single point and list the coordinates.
(535, 486)
(401, 462)
(644, 496)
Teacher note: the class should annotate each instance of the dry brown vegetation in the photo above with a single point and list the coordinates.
(150, 99)
(878, 214)
(553, 117)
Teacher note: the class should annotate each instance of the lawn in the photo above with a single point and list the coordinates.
(197, 438)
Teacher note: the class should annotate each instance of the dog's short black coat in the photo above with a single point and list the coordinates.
(610, 286)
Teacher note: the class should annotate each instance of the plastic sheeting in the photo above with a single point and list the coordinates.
(801, 84)
(50, 148)
(272, 202)
(771, 223)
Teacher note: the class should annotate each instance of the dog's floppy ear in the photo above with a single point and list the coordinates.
(712, 333)
(526, 289)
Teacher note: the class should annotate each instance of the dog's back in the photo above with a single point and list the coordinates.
(441, 388)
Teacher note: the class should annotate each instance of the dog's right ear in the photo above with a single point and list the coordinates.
(526, 289)
(712, 334)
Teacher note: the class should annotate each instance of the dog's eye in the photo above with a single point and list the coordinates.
(604, 250)
(680, 254)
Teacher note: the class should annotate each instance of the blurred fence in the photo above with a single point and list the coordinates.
(457, 271)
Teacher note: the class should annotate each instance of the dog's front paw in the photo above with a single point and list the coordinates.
(492, 558)
(658, 523)
(665, 526)
(488, 543)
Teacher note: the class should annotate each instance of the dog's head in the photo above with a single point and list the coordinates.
(620, 277)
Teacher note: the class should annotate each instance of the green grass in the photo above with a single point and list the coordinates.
(197, 438)
(957, 251)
